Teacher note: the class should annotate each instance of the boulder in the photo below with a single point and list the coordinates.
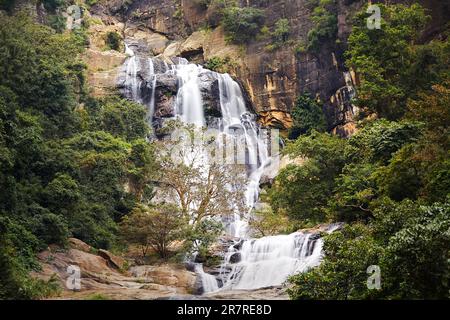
(98, 278)
(103, 69)
(148, 41)
(235, 257)
(192, 48)
(113, 260)
(167, 275)
(171, 50)
(75, 243)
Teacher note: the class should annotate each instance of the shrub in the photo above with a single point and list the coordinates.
(325, 24)
(218, 64)
(242, 24)
(155, 228)
(282, 30)
(113, 40)
(307, 116)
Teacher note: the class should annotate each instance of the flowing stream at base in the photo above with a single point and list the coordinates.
(248, 263)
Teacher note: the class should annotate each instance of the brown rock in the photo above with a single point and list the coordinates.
(75, 243)
(113, 260)
(103, 69)
(167, 275)
(100, 280)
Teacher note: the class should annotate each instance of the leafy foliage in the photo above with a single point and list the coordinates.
(113, 40)
(307, 116)
(282, 30)
(218, 64)
(70, 165)
(156, 227)
(392, 65)
(343, 274)
(265, 222)
(302, 191)
(324, 19)
(242, 24)
(391, 184)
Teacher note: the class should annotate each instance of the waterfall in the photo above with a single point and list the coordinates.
(209, 282)
(152, 74)
(189, 99)
(248, 263)
(269, 261)
(236, 116)
(132, 82)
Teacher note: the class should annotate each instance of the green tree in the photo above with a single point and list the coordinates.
(354, 190)
(324, 21)
(302, 191)
(242, 24)
(307, 116)
(416, 261)
(265, 222)
(154, 227)
(342, 275)
(113, 41)
(386, 59)
(282, 30)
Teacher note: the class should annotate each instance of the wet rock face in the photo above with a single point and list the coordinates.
(209, 88)
(272, 79)
(235, 258)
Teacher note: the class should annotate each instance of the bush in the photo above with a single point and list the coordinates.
(307, 116)
(114, 41)
(52, 5)
(221, 65)
(51, 229)
(302, 191)
(342, 275)
(325, 24)
(157, 228)
(242, 24)
(57, 22)
(282, 30)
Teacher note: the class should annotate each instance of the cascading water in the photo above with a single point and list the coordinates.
(209, 282)
(152, 74)
(249, 263)
(235, 115)
(131, 81)
(189, 99)
(269, 261)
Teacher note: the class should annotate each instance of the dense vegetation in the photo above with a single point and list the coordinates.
(389, 182)
(70, 165)
(307, 116)
(324, 21)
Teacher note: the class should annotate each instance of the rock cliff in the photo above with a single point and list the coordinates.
(272, 76)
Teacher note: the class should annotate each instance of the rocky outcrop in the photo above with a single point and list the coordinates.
(113, 260)
(103, 274)
(103, 69)
(167, 275)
